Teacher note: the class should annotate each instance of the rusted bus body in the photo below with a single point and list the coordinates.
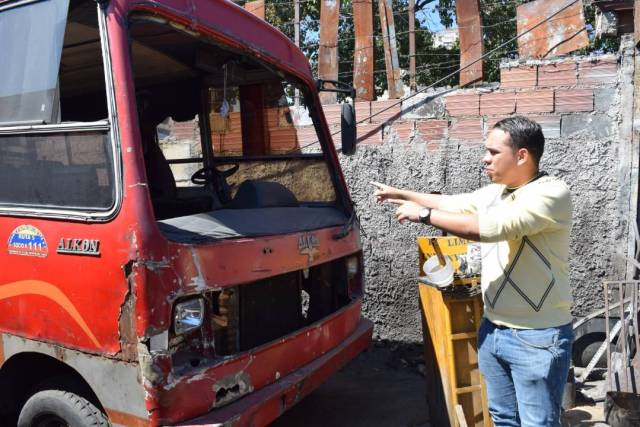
(89, 296)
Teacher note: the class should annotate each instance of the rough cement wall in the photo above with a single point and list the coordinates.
(436, 145)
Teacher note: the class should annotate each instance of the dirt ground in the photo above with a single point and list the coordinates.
(381, 387)
(384, 387)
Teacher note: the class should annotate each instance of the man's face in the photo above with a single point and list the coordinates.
(500, 160)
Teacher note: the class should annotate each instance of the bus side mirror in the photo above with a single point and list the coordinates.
(348, 129)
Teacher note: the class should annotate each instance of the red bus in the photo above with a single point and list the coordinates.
(178, 251)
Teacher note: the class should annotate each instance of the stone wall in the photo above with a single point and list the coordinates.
(434, 143)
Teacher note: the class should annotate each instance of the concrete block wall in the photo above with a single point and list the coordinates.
(434, 143)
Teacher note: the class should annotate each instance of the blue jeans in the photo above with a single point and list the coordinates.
(525, 371)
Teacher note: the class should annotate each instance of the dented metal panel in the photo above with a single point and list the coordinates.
(363, 58)
(563, 33)
(394, 80)
(471, 44)
(103, 375)
(328, 51)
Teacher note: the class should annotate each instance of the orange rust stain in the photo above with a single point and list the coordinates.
(1, 349)
(37, 287)
(122, 418)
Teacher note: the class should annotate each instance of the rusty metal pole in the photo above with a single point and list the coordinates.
(363, 58)
(328, 52)
(471, 44)
(394, 82)
(296, 28)
(412, 46)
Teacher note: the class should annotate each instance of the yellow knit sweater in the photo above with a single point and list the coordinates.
(524, 236)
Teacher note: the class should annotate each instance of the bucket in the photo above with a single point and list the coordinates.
(622, 409)
(438, 275)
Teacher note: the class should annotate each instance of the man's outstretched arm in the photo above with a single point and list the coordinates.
(462, 225)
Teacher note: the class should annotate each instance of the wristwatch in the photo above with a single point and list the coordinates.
(425, 216)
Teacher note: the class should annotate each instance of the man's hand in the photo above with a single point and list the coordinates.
(386, 192)
(406, 210)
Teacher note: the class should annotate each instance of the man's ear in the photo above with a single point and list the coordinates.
(522, 156)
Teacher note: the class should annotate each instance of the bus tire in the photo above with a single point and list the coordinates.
(50, 407)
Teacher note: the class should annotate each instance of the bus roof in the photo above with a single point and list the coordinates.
(230, 23)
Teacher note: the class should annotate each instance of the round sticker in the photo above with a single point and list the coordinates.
(27, 240)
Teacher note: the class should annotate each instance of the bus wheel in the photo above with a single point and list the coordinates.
(58, 408)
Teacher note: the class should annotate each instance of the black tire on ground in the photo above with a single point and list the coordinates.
(53, 408)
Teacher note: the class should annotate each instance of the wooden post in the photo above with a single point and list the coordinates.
(394, 82)
(328, 52)
(296, 26)
(471, 44)
(363, 58)
(412, 46)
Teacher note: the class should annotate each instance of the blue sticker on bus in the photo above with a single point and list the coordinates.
(27, 240)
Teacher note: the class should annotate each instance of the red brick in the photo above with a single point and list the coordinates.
(400, 132)
(561, 74)
(517, 77)
(466, 129)
(393, 112)
(432, 130)
(535, 101)
(306, 135)
(463, 104)
(283, 140)
(572, 100)
(369, 134)
(332, 113)
(363, 110)
(497, 103)
(597, 72)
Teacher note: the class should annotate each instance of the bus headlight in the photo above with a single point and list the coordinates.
(188, 315)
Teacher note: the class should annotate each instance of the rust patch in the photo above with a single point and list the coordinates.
(126, 318)
(328, 52)
(563, 33)
(1, 349)
(231, 388)
(363, 58)
(117, 417)
(471, 45)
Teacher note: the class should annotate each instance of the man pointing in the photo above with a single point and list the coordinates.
(523, 221)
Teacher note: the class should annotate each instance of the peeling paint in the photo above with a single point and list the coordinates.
(231, 388)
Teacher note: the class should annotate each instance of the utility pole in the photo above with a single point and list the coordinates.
(296, 27)
(394, 82)
(412, 46)
(328, 52)
(363, 58)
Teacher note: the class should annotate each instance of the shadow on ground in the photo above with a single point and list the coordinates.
(383, 386)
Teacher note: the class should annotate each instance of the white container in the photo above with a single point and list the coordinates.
(437, 275)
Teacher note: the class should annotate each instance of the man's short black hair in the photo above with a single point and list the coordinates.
(524, 133)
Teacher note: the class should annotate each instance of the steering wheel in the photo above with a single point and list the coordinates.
(217, 177)
(211, 173)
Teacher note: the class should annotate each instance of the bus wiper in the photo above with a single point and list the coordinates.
(348, 226)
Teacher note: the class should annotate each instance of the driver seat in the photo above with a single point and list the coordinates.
(167, 203)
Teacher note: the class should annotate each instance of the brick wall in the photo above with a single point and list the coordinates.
(546, 92)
